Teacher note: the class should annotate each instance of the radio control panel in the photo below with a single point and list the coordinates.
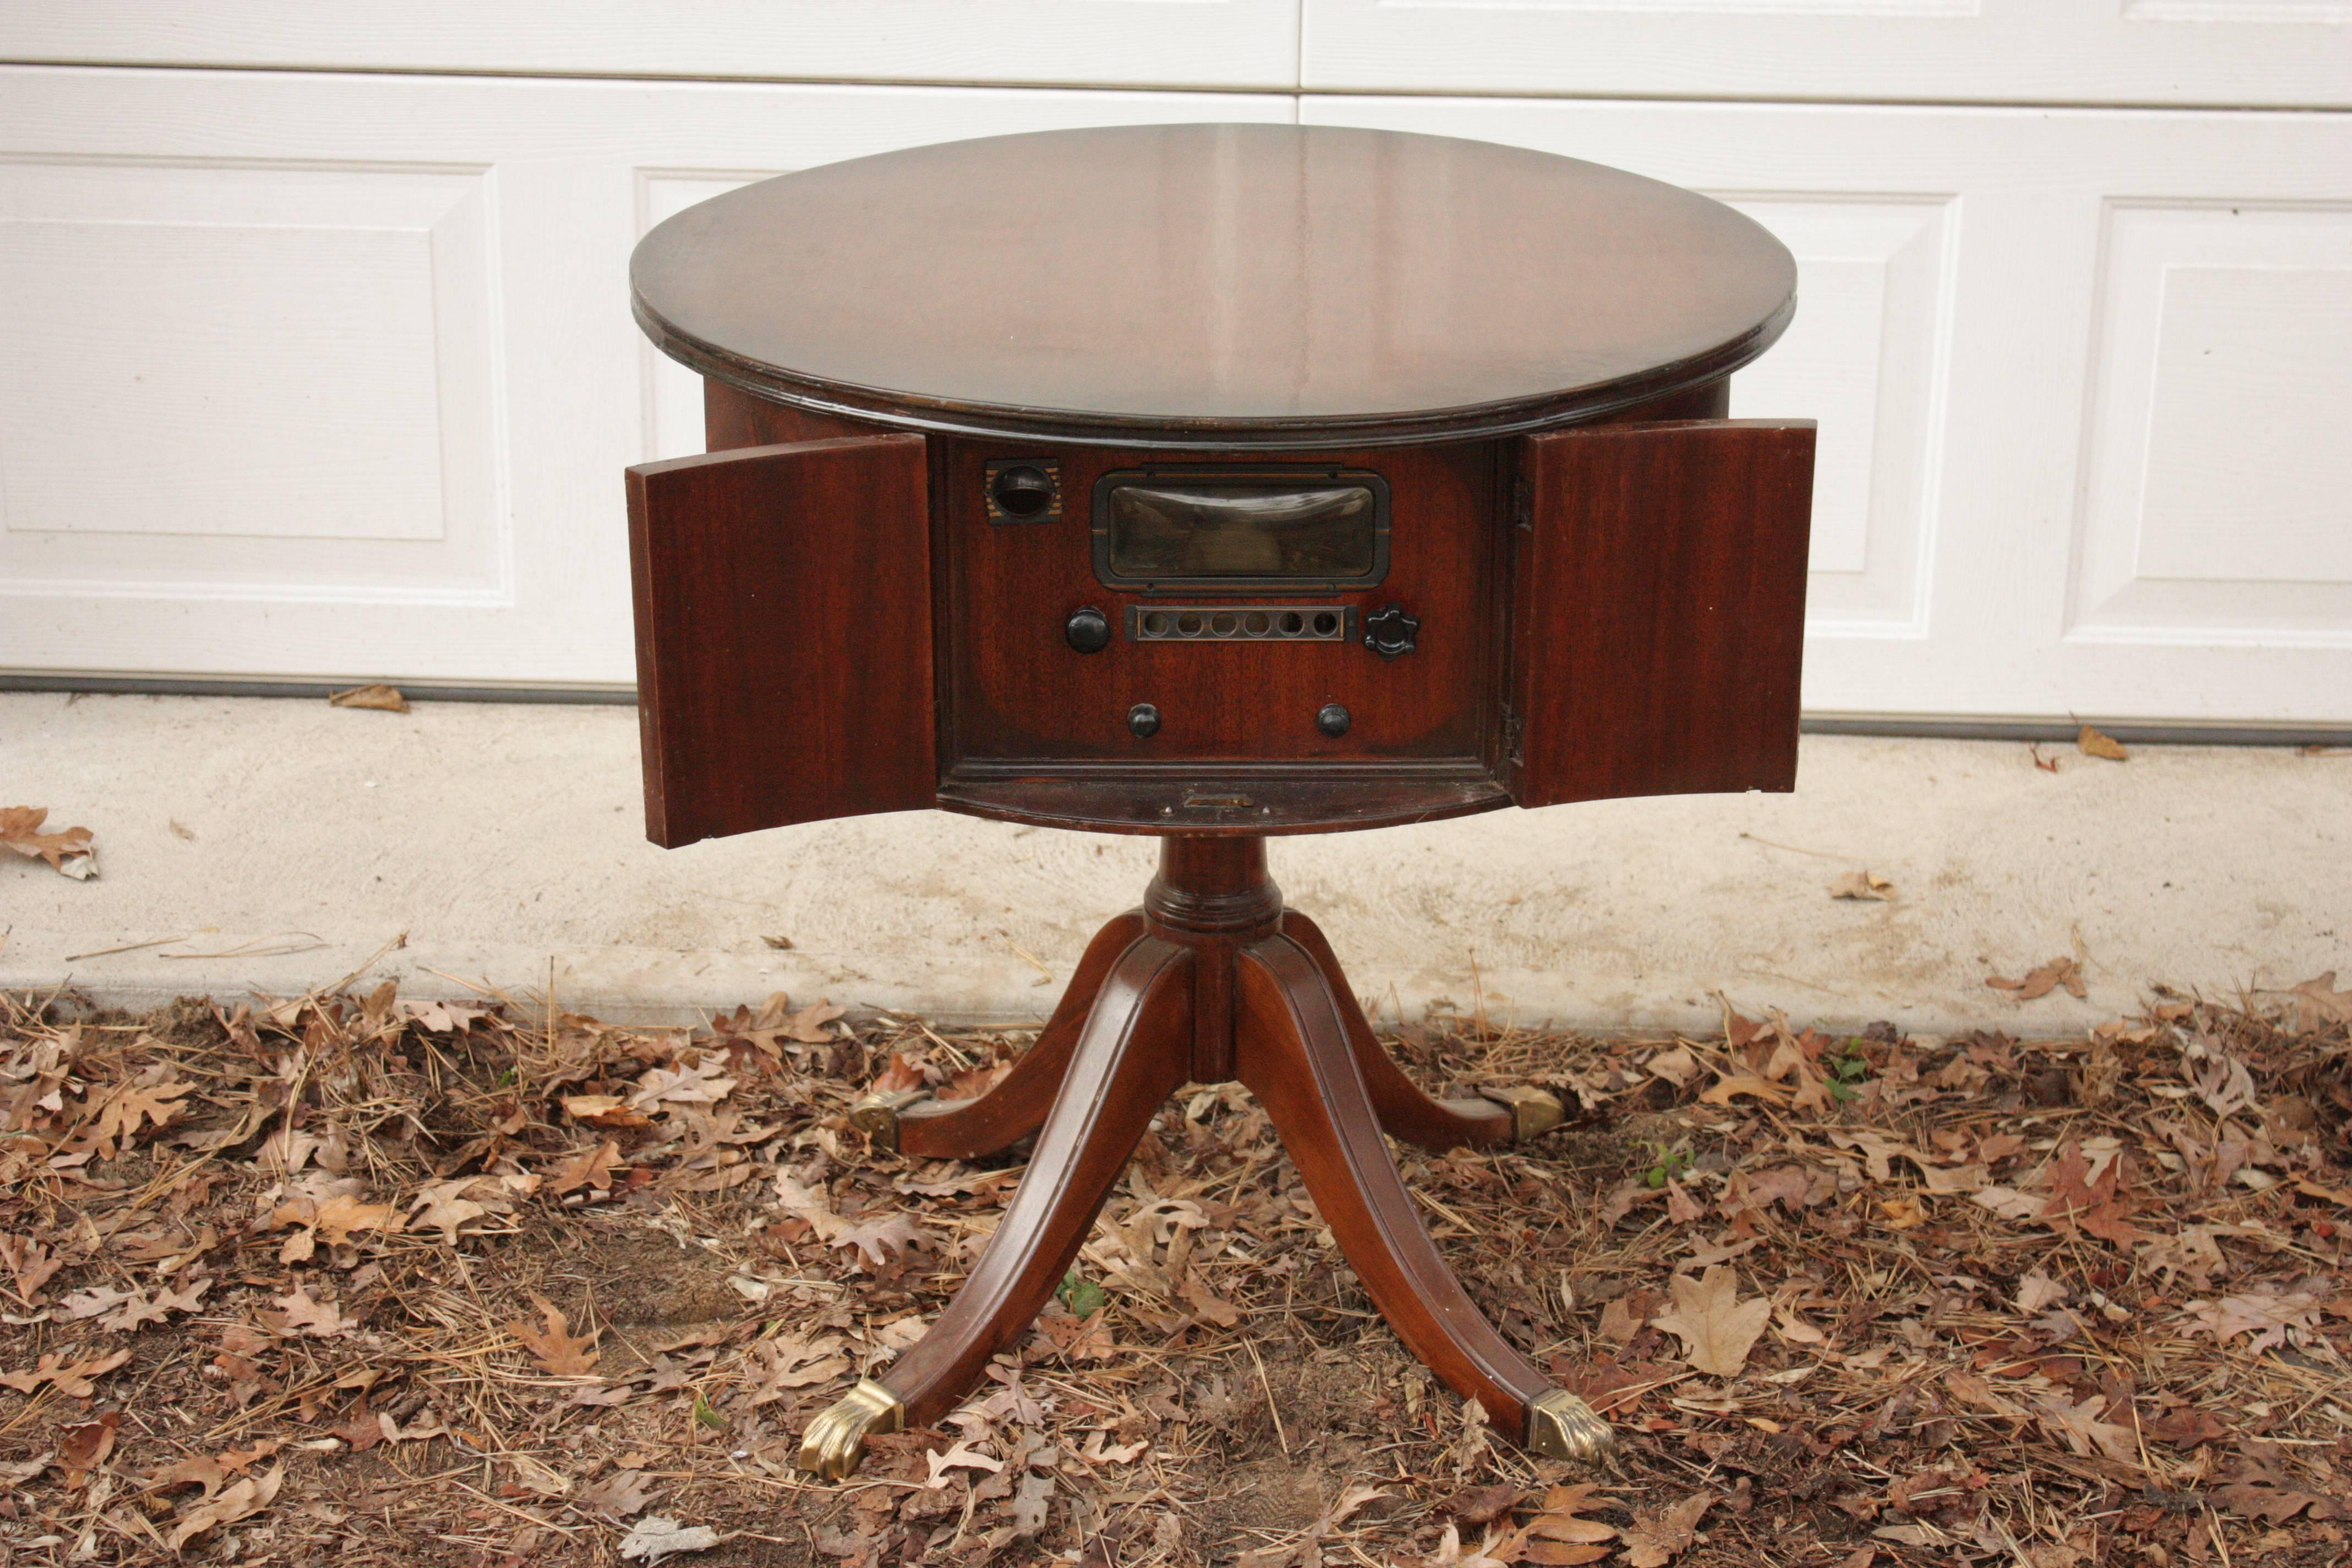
(1144, 608)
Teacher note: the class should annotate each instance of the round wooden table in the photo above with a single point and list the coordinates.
(1213, 482)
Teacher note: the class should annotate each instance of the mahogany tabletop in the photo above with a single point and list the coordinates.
(1214, 285)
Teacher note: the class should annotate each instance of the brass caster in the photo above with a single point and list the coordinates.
(877, 1115)
(1534, 1111)
(835, 1440)
(1562, 1426)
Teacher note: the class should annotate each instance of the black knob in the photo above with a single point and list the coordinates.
(1022, 489)
(1143, 720)
(1332, 720)
(1088, 630)
(1390, 632)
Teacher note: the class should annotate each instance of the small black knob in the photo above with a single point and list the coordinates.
(1143, 720)
(1390, 632)
(1332, 720)
(1088, 630)
(1023, 491)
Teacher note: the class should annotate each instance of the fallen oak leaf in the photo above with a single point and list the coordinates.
(2318, 1003)
(960, 1456)
(1734, 1084)
(20, 830)
(1653, 1540)
(588, 1168)
(1863, 884)
(139, 1311)
(83, 1446)
(73, 1381)
(31, 1262)
(1561, 1520)
(807, 1025)
(557, 1349)
(377, 695)
(876, 1242)
(301, 1315)
(1717, 1329)
(97, 1299)
(245, 1498)
(620, 1494)
(603, 1111)
(2041, 980)
(2099, 743)
(439, 1208)
(341, 1214)
(654, 1537)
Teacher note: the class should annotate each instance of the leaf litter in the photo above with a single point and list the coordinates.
(352, 1280)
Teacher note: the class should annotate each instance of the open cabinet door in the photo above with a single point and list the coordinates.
(783, 599)
(1658, 609)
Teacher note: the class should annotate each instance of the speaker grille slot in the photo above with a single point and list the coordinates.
(1239, 622)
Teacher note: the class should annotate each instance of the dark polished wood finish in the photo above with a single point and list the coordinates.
(1658, 623)
(1211, 980)
(838, 614)
(1196, 286)
(756, 572)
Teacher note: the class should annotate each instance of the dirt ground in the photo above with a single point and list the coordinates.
(351, 1280)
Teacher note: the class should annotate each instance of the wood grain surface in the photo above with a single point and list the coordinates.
(783, 620)
(1235, 284)
(1658, 611)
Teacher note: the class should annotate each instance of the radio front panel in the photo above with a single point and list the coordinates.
(1105, 607)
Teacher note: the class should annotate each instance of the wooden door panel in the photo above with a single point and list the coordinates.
(783, 611)
(1658, 609)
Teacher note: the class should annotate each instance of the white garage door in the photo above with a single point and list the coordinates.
(307, 373)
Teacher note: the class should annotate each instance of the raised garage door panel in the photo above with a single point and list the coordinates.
(1658, 609)
(2287, 53)
(784, 615)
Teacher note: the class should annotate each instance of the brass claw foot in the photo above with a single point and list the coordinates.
(877, 1115)
(1562, 1426)
(835, 1440)
(1533, 1111)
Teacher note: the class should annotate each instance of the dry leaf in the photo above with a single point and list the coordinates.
(1863, 884)
(1734, 1084)
(878, 1241)
(247, 1497)
(2318, 1003)
(387, 699)
(2040, 982)
(1653, 1540)
(73, 1381)
(1717, 1327)
(83, 1446)
(2096, 743)
(20, 830)
(343, 1214)
(653, 1538)
(1561, 1518)
(556, 1350)
(588, 1168)
(808, 1024)
(438, 1208)
(301, 1315)
(2263, 1313)
(620, 1494)
(30, 1263)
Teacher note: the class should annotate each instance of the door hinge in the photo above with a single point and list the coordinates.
(1523, 502)
(1515, 731)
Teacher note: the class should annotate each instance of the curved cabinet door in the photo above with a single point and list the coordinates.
(783, 611)
(1658, 609)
